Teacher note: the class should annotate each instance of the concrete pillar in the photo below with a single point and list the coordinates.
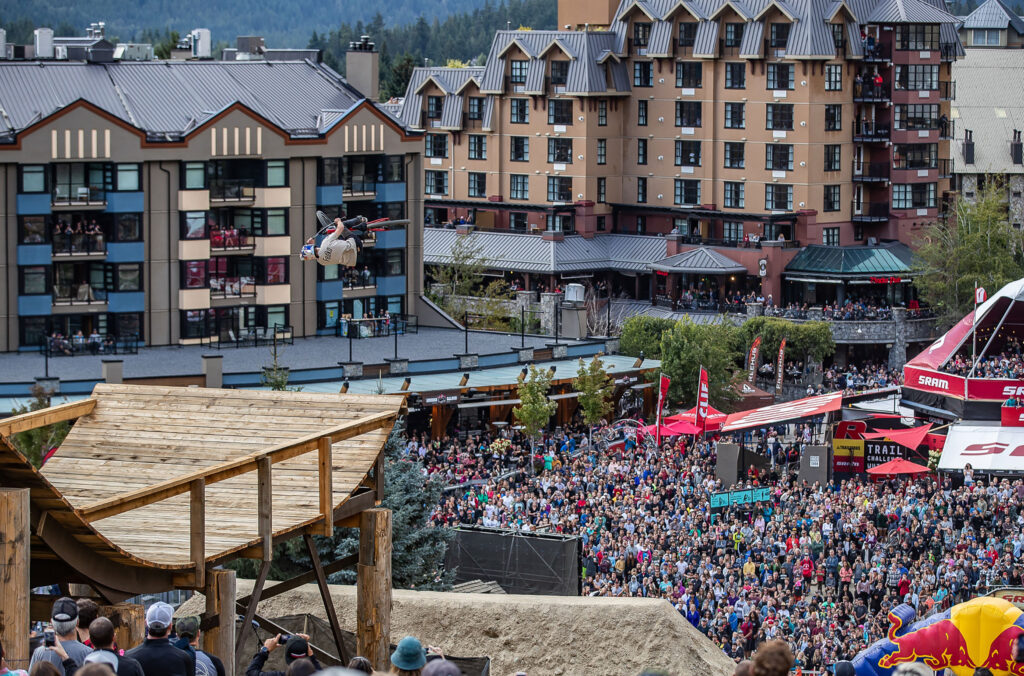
(15, 547)
(213, 370)
(113, 371)
(397, 367)
(754, 310)
(815, 313)
(898, 351)
(468, 361)
(351, 369)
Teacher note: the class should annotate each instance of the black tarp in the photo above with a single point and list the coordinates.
(521, 563)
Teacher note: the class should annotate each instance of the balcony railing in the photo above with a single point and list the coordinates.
(231, 239)
(358, 279)
(78, 244)
(947, 90)
(877, 52)
(69, 346)
(232, 287)
(78, 294)
(870, 171)
(358, 185)
(871, 133)
(233, 189)
(747, 241)
(867, 212)
(79, 195)
(376, 327)
(870, 92)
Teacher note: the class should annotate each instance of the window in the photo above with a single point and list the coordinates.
(778, 197)
(830, 236)
(520, 149)
(393, 168)
(641, 225)
(277, 174)
(476, 108)
(561, 223)
(437, 145)
(602, 189)
(35, 280)
(858, 232)
(517, 221)
(778, 156)
(519, 188)
(735, 115)
(733, 34)
(394, 264)
(434, 105)
(477, 184)
(518, 73)
(780, 76)
(641, 113)
(779, 35)
(33, 178)
(272, 270)
(832, 194)
(641, 34)
(779, 116)
(687, 191)
(128, 227)
(839, 35)
(559, 73)
(559, 111)
(733, 155)
(270, 223)
(732, 231)
(687, 153)
(641, 190)
(917, 37)
(916, 116)
(330, 171)
(641, 151)
(559, 189)
(34, 230)
(600, 223)
(833, 157)
(913, 196)
(688, 113)
(231, 276)
(643, 74)
(915, 156)
(128, 277)
(437, 183)
(194, 175)
(193, 274)
(985, 37)
(127, 177)
(602, 151)
(833, 77)
(520, 111)
(602, 112)
(735, 76)
(689, 74)
(193, 225)
(560, 150)
(477, 147)
(734, 195)
(687, 34)
(833, 117)
(920, 77)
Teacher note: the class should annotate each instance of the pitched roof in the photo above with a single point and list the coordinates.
(169, 98)
(992, 112)
(451, 81)
(700, 261)
(994, 14)
(909, 11)
(892, 258)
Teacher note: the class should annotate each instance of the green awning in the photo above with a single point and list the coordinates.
(852, 262)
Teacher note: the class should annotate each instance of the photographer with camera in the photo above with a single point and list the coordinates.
(296, 647)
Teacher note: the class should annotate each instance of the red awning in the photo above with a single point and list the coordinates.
(683, 428)
(911, 438)
(715, 418)
(898, 466)
(777, 413)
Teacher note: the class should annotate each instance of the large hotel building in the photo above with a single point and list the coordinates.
(164, 202)
(791, 147)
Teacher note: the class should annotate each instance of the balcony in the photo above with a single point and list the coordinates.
(79, 245)
(359, 186)
(870, 212)
(231, 239)
(79, 196)
(875, 172)
(78, 294)
(946, 168)
(232, 189)
(947, 90)
(232, 287)
(871, 133)
(872, 93)
(878, 53)
(353, 279)
(430, 119)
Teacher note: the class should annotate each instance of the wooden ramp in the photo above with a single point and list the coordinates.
(154, 485)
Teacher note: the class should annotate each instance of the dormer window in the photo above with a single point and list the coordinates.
(733, 34)
(641, 34)
(519, 72)
(559, 72)
(434, 104)
(687, 34)
(779, 35)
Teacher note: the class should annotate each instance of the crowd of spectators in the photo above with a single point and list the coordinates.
(1008, 363)
(852, 379)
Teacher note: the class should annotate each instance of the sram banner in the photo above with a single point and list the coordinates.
(985, 448)
(933, 381)
(994, 390)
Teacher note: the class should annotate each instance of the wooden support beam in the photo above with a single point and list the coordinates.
(197, 529)
(326, 476)
(265, 507)
(303, 578)
(46, 416)
(325, 595)
(379, 480)
(15, 550)
(254, 601)
(373, 587)
(219, 640)
(228, 470)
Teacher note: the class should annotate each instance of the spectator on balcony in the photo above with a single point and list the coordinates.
(109, 345)
(858, 85)
(78, 237)
(94, 236)
(877, 81)
(95, 342)
(943, 125)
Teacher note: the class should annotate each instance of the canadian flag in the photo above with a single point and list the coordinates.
(979, 295)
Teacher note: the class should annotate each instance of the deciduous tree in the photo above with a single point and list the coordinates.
(594, 391)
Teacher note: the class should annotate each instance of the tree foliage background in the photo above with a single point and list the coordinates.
(806, 340)
(976, 243)
(534, 409)
(34, 444)
(464, 288)
(594, 388)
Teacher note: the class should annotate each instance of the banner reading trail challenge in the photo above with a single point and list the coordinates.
(755, 350)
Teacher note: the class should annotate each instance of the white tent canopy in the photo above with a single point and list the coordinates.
(987, 448)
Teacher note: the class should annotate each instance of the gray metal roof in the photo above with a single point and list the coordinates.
(909, 11)
(994, 14)
(171, 97)
(450, 81)
(530, 253)
(700, 261)
(990, 110)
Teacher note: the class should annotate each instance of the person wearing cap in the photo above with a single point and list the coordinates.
(187, 629)
(64, 618)
(408, 658)
(101, 633)
(156, 654)
(296, 648)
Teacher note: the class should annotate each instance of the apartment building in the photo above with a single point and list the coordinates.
(992, 24)
(165, 202)
(748, 128)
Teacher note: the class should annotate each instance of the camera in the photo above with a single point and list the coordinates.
(284, 639)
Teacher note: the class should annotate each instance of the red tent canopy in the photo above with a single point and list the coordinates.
(898, 466)
(911, 438)
(683, 428)
(715, 418)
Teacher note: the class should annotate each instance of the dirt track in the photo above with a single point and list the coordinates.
(541, 635)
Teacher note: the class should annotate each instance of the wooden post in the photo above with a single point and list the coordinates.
(265, 507)
(197, 529)
(15, 537)
(326, 486)
(373, 587)
(129, 622)
(220, 602)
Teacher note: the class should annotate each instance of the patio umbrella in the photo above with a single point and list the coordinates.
(666, 430)
(898, 466)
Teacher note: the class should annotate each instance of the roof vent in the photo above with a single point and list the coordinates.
(968, 147)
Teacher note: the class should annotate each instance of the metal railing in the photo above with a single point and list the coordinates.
(870, 171)
(871, 92)
(377, 327)
(231, 239)
(360, 185)
(78, 194)
(232, 287)
(865, 132)
(70, 346)
(78, 244)
(877, 52)
(255, 336)
(870, 211)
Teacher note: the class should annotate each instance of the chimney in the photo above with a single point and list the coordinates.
(1017, 148)
(968, 146)
(362, 67)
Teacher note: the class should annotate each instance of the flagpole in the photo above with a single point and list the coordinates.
(974, 330)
